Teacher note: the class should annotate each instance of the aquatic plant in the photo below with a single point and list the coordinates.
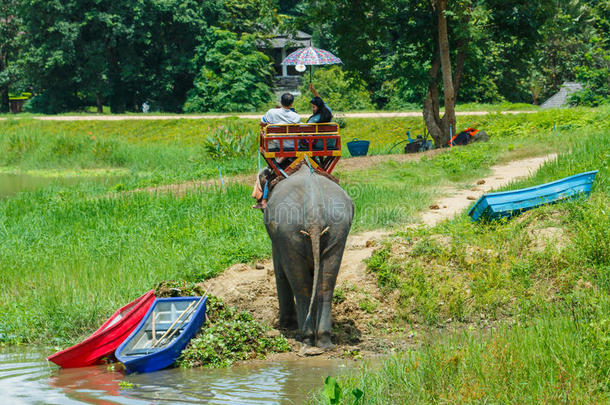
(228, 336)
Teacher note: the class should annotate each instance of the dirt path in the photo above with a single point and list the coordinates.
(362, 314)
(456, 200)
(353, 163)
(380, 114)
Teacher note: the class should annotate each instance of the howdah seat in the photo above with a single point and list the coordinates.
(292, 142)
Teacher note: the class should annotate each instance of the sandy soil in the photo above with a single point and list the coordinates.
(363, 317)
(456, 200)
(380, 114)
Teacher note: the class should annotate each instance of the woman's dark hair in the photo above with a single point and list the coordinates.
(325, 114)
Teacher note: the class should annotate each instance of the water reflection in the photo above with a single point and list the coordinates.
(26, 378)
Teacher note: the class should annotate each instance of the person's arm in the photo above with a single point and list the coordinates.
(313, 90)
(264, 121)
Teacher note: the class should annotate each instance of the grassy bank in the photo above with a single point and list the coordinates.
(530, 296)
(69, 257)
(168, 151)
(555, 359)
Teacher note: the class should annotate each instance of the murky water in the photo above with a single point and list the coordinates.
(11, 184)
(27, 378)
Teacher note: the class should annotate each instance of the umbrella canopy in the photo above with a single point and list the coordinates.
(311, 56)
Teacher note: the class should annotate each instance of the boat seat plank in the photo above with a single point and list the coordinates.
(137, 352)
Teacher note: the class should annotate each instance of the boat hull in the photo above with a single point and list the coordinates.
(107, 337)
(509, 203)
(167, 355)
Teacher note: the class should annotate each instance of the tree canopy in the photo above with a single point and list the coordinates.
(208, 54)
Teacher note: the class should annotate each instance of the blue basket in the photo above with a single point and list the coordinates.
(358, 148)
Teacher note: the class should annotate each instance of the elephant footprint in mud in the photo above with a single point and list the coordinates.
(308, 218)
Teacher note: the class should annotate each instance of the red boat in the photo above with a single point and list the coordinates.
(108, 337)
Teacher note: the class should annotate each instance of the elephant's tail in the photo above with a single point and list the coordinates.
(315, 235)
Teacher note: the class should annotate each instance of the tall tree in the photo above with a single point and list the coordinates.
(9, 32)
(425, 46)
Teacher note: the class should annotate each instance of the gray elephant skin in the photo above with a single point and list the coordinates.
(308, 218)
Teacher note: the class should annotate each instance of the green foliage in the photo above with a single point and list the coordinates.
(77, 244)
(235, 76)
(125, 385)
(248, 16)
(76, 54)
(229, 336)
(10, 27)
(231, 141)
(339, 91)
(595, 78)
(397, 42)
(467, 271)
(575, 47)
(528, 362)
(333, 393)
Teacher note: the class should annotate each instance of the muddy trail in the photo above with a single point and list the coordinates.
(363, 316)
(353, 163)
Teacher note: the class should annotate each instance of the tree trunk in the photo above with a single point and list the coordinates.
(4, 103)
(116, 98)
(4, 107)
(439, 128)
(459, 68)
(98, 101)
(448, 120)
(431, 104)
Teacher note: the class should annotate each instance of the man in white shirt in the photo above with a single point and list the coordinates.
(283, 115)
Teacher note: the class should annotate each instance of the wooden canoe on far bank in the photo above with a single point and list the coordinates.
(108, 337)
(508, 203)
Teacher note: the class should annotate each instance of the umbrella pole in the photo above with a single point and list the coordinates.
(310, 69)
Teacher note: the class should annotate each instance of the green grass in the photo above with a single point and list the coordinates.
(393, 192)
(67, 260)
(152, 152)
(530, 294)
(555, 359)
(69, 255)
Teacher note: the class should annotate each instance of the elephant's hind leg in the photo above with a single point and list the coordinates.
(288, 313)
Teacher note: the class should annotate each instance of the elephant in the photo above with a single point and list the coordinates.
(308, 217)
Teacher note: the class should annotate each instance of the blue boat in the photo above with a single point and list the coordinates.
(163, 333)
(508, 203)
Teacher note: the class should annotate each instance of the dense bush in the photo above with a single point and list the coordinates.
(230, 336)
(339, 91)
(235, 76)
(231, 140)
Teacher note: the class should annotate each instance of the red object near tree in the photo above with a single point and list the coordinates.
(108, 337)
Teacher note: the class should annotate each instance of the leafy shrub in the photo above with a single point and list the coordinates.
(52, 102)
(235, 76)
(230, 336)
(396, 95)
(594, 74)
(230, 141)
(340, 92)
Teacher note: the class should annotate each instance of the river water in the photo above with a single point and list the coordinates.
(27, 378)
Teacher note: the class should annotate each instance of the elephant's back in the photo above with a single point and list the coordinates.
(305, 197)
